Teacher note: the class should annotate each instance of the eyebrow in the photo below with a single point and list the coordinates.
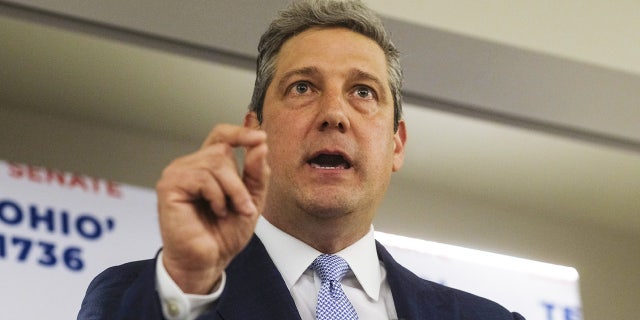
(306, 71)
(358, 74)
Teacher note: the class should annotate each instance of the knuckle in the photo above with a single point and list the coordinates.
(219, 149)
(218, 157)
(167, 177)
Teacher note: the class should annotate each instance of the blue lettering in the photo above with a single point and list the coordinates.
(3, 245)
(566, 313)
(93, 231)
(111, 224)
(47, 219)
(572, 313)
(64, 223)
(72, 259)
(549, 307)
(5, 208)
(48, 258)
(24, 249)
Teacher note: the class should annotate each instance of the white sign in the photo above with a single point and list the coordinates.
(538, 291)
(59, 230)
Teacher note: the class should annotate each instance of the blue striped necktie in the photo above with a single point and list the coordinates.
(333, 304)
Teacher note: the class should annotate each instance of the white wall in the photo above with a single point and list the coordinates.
(73, 145)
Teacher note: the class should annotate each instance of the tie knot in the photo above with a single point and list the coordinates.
(330, 267)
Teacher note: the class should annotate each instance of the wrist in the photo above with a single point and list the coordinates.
(200, 281)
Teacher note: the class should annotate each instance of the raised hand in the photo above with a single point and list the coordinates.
(208, 209)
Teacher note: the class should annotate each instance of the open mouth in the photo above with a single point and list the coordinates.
(329, 161)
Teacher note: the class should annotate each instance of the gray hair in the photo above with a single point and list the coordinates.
(302, 15)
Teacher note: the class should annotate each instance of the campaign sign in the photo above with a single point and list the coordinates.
(58, 230)
(537, 290)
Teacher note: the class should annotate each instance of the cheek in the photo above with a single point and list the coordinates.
(276, 148)
(288, 127)
(377, 151)
(383, 146)
(283, 142)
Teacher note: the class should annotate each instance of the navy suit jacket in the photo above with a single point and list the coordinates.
(255, 290)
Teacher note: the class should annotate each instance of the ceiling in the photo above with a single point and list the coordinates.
(597, 32)
(461, 140)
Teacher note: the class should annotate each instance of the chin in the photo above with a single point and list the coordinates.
(328, 208)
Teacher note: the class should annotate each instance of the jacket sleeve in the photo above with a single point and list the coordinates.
(123, 292)
(517, 316)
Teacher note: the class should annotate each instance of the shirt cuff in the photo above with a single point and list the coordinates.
(177, 305)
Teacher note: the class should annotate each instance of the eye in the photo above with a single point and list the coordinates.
(301, 87)
(364, 92)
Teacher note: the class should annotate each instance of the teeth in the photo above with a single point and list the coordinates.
(317, 166)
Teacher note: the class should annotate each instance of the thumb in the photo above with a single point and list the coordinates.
(256, 173)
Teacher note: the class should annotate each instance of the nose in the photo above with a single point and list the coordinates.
(333, 112)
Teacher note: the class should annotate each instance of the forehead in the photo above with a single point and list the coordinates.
(332, 50)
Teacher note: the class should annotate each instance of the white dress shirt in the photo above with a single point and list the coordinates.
(365, 285)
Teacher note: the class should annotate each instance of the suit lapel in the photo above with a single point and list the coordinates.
(413, 297)
(255, 289)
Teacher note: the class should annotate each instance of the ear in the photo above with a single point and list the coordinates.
(399, 141)
(251, 120)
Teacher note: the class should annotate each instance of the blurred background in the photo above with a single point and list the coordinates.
(523, 117)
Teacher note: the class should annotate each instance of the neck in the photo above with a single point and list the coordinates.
(325, 234)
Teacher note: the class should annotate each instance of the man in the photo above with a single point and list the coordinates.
(323, 135)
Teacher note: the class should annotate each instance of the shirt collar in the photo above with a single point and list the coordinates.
(292, 257)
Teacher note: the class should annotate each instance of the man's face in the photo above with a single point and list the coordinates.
(328, 114)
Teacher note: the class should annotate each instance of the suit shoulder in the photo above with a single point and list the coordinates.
(472, 306)
(451, 303)
(120, 276)
(106, 290)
